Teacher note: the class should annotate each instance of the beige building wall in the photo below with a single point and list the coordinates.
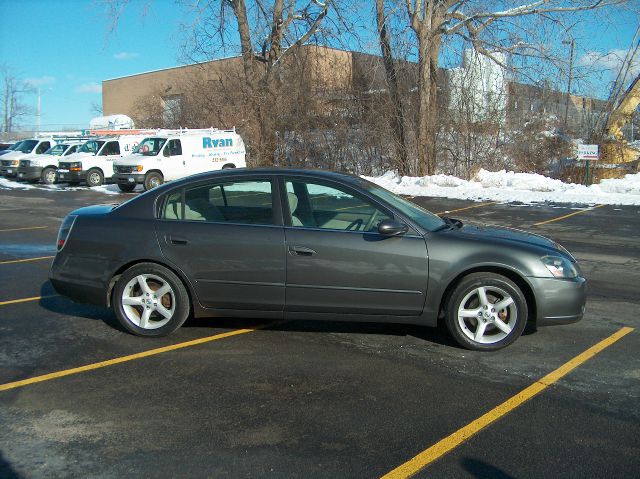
(125, 95)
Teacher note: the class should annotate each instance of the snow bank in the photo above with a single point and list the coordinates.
(507, 186)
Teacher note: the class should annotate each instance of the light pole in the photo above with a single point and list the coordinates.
(38, 110)
(566, 105)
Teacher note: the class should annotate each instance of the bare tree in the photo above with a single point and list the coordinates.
(13, 107)
(509, 27)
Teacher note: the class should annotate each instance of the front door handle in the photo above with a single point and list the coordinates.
(176, 240)
(301, 251)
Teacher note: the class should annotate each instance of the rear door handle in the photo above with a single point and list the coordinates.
(175, 240)
(301, 251)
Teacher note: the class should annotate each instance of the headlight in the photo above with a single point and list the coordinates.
(139, 168)
(15, 162)
(560, 267)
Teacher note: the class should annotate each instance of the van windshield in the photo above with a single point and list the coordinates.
(16, 146)
(92, 146)
(56, 150)
(150, 146)
(27, 146)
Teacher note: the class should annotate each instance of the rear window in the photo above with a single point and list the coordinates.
(239, 202)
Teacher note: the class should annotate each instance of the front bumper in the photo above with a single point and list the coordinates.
(559, 301)
(71, 176)
(128, 178)
(9, 171)
(29, 173)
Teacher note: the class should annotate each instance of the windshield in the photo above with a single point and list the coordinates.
(56, 150)
(91, 146)
(15, 146)
(150, 146)
(422, 217)
(27, 146)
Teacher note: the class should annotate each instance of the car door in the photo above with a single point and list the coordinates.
(172, 162)
(227, 237)
(337, 262)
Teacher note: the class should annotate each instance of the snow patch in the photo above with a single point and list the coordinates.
(508, 186)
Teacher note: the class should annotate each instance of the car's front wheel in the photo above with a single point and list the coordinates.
(49, 176)
(150, 300)
(95, 177)
(152, 180)
(486, 312)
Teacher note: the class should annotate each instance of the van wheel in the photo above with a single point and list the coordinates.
(152, 180)
(127, 187)
(95, 177)
(228, 166)
(49, 176)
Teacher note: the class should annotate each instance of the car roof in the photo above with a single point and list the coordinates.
(310, 173)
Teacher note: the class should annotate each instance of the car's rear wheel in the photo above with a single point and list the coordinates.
(152, 180)
(486, 312)
(95, 177)
(48, 176)
(150, 300)
(127, 187)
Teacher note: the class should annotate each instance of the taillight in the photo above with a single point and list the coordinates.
(65, 229)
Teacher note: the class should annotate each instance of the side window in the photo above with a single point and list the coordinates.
(111, 148)
(42, 147)
(71, 150)
(175, 147)
(239, 202)
(315, 205)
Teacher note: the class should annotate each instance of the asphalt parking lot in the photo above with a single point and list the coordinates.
(230, 398)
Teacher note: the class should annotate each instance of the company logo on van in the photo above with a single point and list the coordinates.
(221, 143)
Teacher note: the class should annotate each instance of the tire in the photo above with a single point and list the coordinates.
(473, 321)
(95, 177)
(126, 187)
(49, 176)
(139, 311)
(152, 180)
(228, 166)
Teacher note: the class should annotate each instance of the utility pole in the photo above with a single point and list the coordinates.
(566, 105)
(38, 114)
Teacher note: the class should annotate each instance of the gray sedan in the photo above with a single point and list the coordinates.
(300, 244)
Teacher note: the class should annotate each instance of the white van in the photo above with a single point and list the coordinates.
(173, 154)
(35, 146)
(93, 162)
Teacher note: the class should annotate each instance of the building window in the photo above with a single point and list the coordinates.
(171, 110)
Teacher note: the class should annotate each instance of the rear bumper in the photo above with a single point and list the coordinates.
(29, 173)
(66, 280)
(559, 301)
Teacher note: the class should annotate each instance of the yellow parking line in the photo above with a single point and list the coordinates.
(24, 300)
(567, 216)
(449, 443)
(130, 357)
(26, 260)
(23, 229)
(468, 208)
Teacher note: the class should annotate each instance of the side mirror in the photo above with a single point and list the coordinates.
(392, 228)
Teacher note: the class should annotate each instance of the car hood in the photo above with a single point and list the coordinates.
(77, 157)
(15, 155)
(509, 235)
(133, 159)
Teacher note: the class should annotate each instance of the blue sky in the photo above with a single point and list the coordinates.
(65, 48)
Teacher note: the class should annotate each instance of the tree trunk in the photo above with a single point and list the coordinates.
(397, 119)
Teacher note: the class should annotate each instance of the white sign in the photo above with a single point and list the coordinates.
(588, 152)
